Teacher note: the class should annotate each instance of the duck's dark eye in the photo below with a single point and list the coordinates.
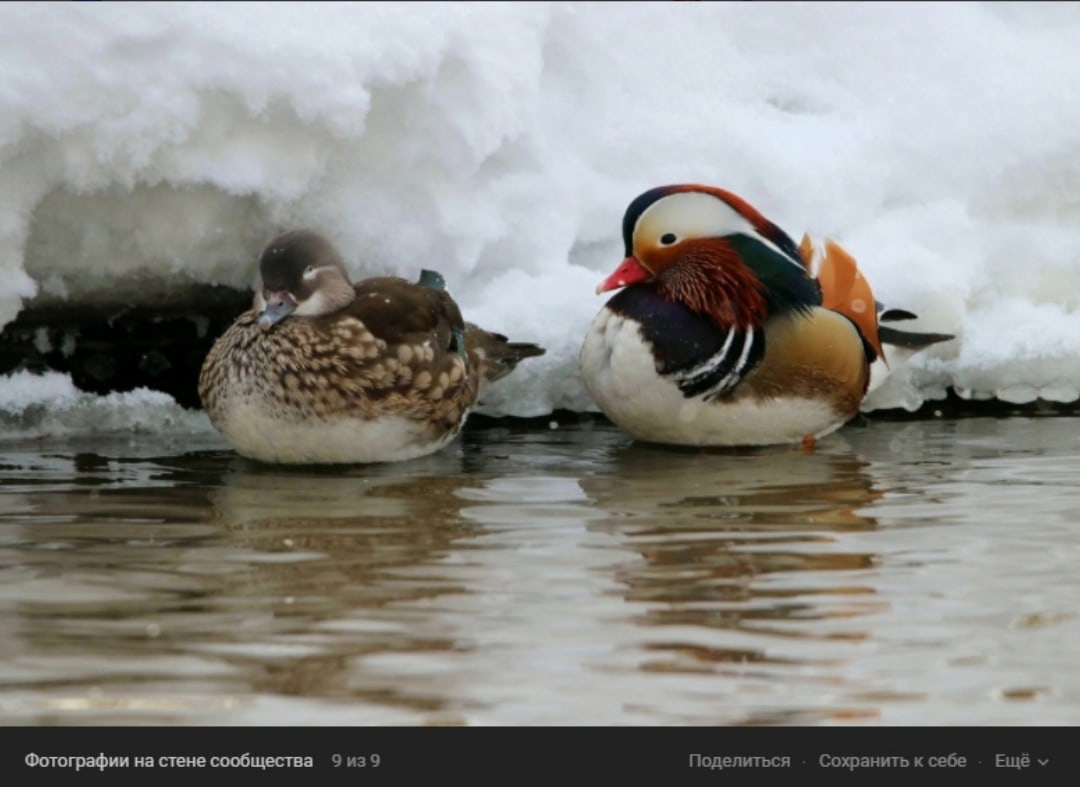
(667, 239)
(309, 272)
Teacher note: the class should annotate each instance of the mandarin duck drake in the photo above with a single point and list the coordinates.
(725, 333)
(324, 371)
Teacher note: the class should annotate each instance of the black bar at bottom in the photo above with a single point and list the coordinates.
(391, 755)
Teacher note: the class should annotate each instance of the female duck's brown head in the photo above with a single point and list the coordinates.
(303, 275)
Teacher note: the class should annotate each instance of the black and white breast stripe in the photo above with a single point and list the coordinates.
(688, 348)
(717, 375)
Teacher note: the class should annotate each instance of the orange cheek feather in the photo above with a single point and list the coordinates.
(630, 271)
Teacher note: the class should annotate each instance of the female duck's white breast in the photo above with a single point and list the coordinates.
(259, 430)
(620, 373)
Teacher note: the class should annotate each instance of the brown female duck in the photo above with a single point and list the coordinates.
(322, 370)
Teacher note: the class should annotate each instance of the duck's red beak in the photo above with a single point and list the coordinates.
(630, 271)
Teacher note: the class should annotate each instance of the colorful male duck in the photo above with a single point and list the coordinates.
(725, 333)
(324, 371)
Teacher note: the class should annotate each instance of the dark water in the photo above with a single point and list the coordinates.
(920, 572)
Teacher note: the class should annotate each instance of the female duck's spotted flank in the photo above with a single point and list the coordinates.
(324, 371)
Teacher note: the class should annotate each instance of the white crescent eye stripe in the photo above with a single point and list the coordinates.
(696, 214)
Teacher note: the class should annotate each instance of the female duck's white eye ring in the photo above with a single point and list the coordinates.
(309, 272)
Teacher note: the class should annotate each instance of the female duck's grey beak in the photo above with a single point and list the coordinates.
(279, 305)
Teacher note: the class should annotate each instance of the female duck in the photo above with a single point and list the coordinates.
(324, 371)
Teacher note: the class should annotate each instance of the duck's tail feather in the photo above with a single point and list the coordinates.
(911, 340)
(495, 355)
(892, 315)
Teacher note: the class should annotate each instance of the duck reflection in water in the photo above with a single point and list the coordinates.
(332, 554)
(743, 554)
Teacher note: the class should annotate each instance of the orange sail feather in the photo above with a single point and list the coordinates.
(843, 288)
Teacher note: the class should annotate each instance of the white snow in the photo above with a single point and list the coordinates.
(36, 407)
(147, 146)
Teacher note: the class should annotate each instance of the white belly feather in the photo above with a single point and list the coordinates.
(620, 373)
(257, 434)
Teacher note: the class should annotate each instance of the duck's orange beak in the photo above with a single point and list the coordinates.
(630, 271)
